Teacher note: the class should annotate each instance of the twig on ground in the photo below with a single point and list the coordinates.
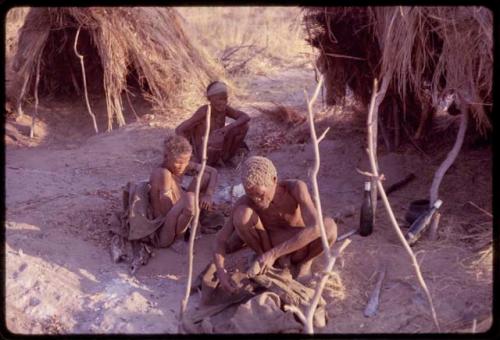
(37, 80)
(392, 218)
(433, 234)
(481, 209)
(84, 81)
(195, 222)
(346, 235)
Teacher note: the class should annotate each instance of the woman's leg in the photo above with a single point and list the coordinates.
(177, 220)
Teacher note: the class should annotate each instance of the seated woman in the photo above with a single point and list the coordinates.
(167, 197)
(224, 140)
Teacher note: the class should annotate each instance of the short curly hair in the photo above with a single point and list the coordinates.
(176, 145)
(257, 170)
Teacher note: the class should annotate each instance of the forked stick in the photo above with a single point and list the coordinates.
(383, 195)
(184, 302)
(308, 318)
(85, 81)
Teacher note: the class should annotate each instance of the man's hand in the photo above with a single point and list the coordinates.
(263, 263)
(206, 201)
(226, 282)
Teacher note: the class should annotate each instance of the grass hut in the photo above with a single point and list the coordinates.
(427, 53)
(122, 48)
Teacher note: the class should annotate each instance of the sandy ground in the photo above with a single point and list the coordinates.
(62, 187)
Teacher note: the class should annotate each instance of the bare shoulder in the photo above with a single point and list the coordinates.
(159, 174)
(242, 203)
(296, 187)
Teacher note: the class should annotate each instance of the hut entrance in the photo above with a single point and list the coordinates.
(60, 70)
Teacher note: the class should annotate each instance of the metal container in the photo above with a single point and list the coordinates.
(415, 209)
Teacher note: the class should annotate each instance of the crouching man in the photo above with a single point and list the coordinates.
(277, 219)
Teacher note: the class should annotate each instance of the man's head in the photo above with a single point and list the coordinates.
(217, 95)
(259, 179)
(177, 153)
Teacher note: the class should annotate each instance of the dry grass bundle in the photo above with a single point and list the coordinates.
(429, 52)
(249, 38)
(144, 47)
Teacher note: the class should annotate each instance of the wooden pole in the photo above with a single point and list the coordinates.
(37, 80)
(394, 223)
(195, 222)
(85, 81)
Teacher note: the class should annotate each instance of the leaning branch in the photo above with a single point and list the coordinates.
(37, 80)
(307, 319)
(195, 222)
(450, 158)
(85, 81)
(373, 164)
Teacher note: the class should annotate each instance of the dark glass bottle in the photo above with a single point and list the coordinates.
(421, 223)
(366, 215)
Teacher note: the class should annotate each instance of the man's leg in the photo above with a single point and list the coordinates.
(177, 220)
(233, 140)
(250, 229)
(302, 258)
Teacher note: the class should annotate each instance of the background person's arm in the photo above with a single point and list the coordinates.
(240, 118)
(186, 126)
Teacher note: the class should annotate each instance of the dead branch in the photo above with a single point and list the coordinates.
(314, 174)
(35, 114)
(392, 218)
(321, 285)
(195, 222)
(85, 81)
(480, 209)
(331, 258)
(450, 158)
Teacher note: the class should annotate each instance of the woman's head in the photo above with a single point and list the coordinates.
(177, 153)
(217, 95)
(259, 178)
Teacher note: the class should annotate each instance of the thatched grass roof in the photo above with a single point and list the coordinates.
(427, 51)
(118, 43)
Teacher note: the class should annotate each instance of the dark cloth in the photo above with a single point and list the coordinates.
(133, 229)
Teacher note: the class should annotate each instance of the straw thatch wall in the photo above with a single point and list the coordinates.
(428, 53)
(122, 47)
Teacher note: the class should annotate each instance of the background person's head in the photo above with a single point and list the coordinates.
(217, 95)
(177, 153)
(259, 178)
